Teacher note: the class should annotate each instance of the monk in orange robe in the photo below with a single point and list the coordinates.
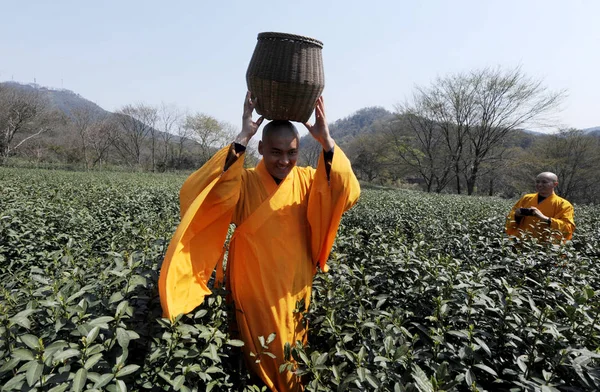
(543, 215)
(286, 220)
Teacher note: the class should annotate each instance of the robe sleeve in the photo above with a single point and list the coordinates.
(512, 226)
(328, 200)
(563, 220)
(208, 198)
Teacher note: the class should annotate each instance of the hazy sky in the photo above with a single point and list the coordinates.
(194, 54)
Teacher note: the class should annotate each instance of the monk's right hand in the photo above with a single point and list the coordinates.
(249, 127)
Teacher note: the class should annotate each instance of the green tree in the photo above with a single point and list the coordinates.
(208, 132)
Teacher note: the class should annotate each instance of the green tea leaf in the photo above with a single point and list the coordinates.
(178, 382)
(10, 365)
(91, 361)
(126, 370)
(92, 335)
(34, 372)
(122, 337)
(59, 388)
(101, 321)
(421, 380)
(103, 380)
(62, 355)
(14, 383)
(486, 368)
(121, 387)
(23, 354)
(235, 342)
(79, 380)
(31, 341)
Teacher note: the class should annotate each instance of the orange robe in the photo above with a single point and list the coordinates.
(283, 232)
(554, 206)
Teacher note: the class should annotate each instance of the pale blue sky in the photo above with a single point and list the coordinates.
(194, 53)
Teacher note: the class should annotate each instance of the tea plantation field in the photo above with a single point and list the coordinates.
(424, 293)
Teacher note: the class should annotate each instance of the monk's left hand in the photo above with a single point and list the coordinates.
(320, 129)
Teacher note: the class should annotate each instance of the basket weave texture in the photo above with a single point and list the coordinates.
(286, 76)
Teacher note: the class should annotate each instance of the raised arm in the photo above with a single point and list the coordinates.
(208, 199)
(320, 129)
(249, 129)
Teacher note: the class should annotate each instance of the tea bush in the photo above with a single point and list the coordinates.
(424, 294)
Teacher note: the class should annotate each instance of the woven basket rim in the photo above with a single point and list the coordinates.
(291, 37)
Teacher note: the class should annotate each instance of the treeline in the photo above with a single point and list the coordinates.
(33, 130)
(465, 134)
(572, 154)
(462, 134)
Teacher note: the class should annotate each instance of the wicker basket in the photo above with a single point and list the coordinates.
(286, 76)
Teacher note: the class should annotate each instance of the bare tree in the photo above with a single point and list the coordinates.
(168, 118)
(251, 156)
(504, 102)
(149, 115)
(421, 144)
(137, 122)
(18, 110)
(84, 119)
(440, 117)
(184, 137)
(101, 136)
(229, 132)
(477, 110)
(573, 157)
(310, 151)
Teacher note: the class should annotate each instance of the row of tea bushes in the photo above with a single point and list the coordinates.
(424, 294)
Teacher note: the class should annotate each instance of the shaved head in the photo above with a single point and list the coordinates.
(545, 183)
(549, 176)
(279, 148)
(277, 127)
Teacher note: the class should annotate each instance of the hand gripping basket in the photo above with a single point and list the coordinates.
(286, 76)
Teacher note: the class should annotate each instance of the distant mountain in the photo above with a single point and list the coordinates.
(361, 121)
(593, 131)
(63, 100)
(530, 132)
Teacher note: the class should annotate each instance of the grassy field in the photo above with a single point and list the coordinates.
(425, 293)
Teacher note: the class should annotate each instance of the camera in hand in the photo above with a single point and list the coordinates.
(526, 211)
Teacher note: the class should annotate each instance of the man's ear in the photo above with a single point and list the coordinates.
(260, 147)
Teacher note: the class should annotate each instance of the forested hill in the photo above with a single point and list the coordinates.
(360, 122)
(592, 131)
(65, 101)
(363, 121)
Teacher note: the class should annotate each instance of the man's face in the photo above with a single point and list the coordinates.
(544, 185)
(280, 152)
